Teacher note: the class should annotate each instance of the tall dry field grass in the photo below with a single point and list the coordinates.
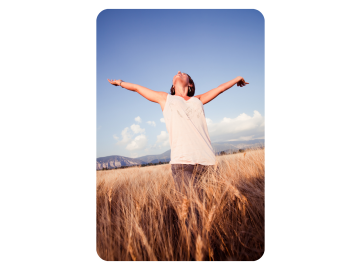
(140, 215)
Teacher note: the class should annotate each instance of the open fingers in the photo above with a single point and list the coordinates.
(111, 81)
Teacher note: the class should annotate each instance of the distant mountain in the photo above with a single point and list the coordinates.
(164, 157)
(235, 145)
(112, 162)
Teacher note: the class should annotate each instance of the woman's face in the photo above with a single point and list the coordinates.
(181, 77)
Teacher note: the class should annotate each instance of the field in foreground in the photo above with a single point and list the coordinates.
(140, 215)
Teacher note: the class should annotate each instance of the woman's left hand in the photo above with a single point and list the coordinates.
(115, 82)
(241, 82)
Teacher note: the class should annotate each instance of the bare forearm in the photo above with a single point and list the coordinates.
(210, 95)
(130, 86)
(147, 93)
(225, 86)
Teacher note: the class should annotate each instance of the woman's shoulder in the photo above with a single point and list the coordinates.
(198, 97)
(164, 96)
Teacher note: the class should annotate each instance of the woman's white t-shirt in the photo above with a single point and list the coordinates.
(188, 133)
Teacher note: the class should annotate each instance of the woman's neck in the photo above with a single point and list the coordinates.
(181, 91)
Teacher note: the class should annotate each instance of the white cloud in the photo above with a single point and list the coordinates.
(243, 127)
(163, 138)
(208, 121)
(138, 119)
(245, 138)
(126, 137)
(227, 120)
(137, 129)
(151, 123)
(138, 143)
(263, 124)
(162, 120)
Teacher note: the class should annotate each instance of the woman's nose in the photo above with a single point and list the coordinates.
(179, 72)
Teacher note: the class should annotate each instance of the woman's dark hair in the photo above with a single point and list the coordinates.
(191, 91)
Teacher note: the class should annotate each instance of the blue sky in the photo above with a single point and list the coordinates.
(148, 47)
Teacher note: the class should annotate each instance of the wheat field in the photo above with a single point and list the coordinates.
(140, 215)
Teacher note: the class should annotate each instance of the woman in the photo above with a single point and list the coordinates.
(191, 150)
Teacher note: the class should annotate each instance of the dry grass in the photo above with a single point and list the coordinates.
(140, 215)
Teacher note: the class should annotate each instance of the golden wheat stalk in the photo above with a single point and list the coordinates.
(138, 208)
(211, 254)
(145, 242)
(199, 246)
(211, 215)
(184, 209)
(132, 254)
(109, 195)
(109, 198)
(237, 194)
(129, 248)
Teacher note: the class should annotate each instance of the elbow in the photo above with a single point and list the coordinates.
(221, 89)
(135, 88)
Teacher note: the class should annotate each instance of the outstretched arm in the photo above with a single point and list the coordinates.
(154, 96)
(213, 93)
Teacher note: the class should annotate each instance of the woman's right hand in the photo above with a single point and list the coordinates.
(115, 82)
(241, 82)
